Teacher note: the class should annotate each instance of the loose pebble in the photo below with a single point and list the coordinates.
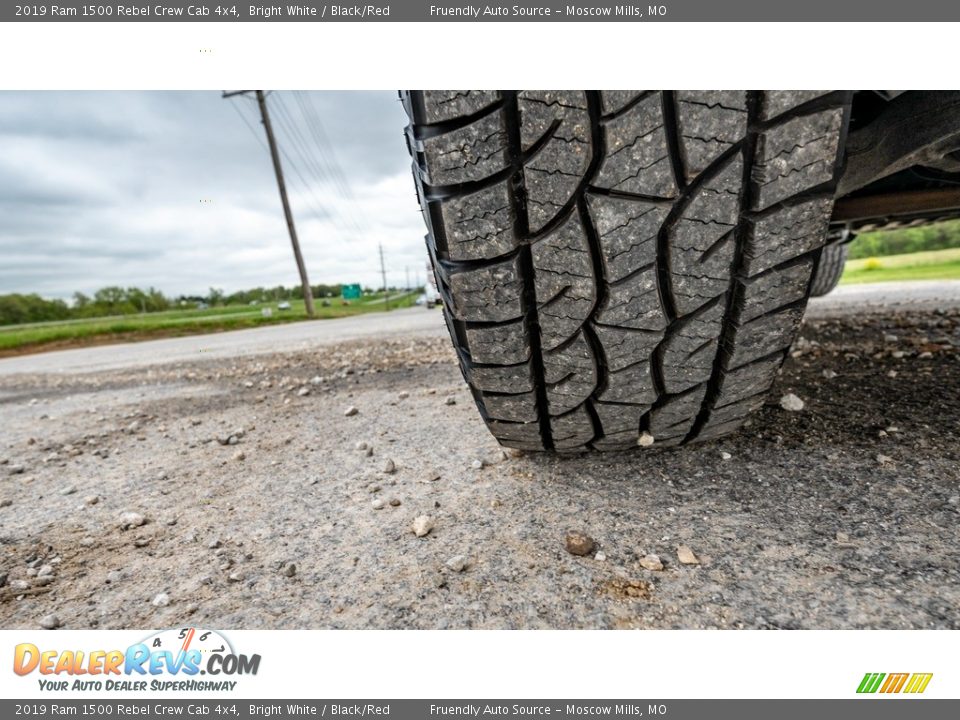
(651, 562)
(350, 411)
(450, 400)
(389, 466)
(161, 600)
(686, 556)
(458, 563)
(131, 519)
(645, 439)
(379, 504)
(50, 622)
(579, 543)
(791, 403)
(422, 525)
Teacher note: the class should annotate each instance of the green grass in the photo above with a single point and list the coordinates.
(33, 336)
(930, 265)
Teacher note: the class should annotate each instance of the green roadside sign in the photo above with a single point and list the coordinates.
(351, 292)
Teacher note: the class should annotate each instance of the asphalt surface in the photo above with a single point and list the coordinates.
(124, 502)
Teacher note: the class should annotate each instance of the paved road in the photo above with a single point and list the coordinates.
(256, 341)
(922, 296)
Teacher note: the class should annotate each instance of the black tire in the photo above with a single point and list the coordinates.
(829, 269)
(621, 264)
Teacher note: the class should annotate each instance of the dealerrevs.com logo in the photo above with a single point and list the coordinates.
(911, 683)
(169, 660)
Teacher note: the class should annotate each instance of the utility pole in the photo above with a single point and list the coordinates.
(278, 170)
(407, 287)
(383, 271)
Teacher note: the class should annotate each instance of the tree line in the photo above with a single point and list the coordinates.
(18, 308)
(939, 236)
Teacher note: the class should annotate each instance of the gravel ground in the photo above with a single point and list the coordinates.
(247, 494)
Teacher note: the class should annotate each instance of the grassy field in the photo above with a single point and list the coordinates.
(16, 339)
(932, 265)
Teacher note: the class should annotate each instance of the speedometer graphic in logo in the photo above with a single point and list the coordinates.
(182, 640)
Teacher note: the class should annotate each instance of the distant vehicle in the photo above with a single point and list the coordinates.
(430, 298)
(283, 305)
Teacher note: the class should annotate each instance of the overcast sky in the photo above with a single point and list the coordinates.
(105, 189)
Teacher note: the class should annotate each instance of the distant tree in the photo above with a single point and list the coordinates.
(215, 297)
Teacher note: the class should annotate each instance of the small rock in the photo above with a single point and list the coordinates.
(288, 570)
(141, 542)
(239, 455)
(954, 500)
(645, 439)
(16, 469)
(373, 488)
(842, 537)
(725, 455)
(422, 525)
(403, 395)
(791, 403)
(458, 563)
(161, 600)
(431, 475)
(50, 622)
(890, 339)
(350, 411)
(233, 440)
(361, 445)
(926, 355)
(450, 400)
(884, 459)
(579, 543)
(316, 380)
(379, 504)
(651, 562)
(303, 392)
(829, 374)
(395, 502)
(69, 490)
(6, 502)
(45, 570)
(389, 466)
(600, 556)
(477, 464)
(235, 577)
(686, 556)
(898, 354)
(131, 519)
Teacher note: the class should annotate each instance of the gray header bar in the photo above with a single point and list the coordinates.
(218, 706)
(526, 11)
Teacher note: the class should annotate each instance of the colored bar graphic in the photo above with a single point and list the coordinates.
(895, 683)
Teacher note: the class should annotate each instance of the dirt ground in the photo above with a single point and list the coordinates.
(239, 494)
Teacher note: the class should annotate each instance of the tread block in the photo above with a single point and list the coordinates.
(523, 436)
(689, 352)
(674, 418)
(777, 102)
(490, 293)
(746, 381)
(570, 375)
(765, 335)
(521, 407)
(785, 234)
(796, 155)
(505, 379)
(572, 431)
(628, 232)
(634, 302)
(553, 174)
(710, 123)
(444, 105)
(480, 225)
(468, 153)
(564, 282)
(701, 243)
(612, 101)
(505, 344)
(776, 289)
(636, 158)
